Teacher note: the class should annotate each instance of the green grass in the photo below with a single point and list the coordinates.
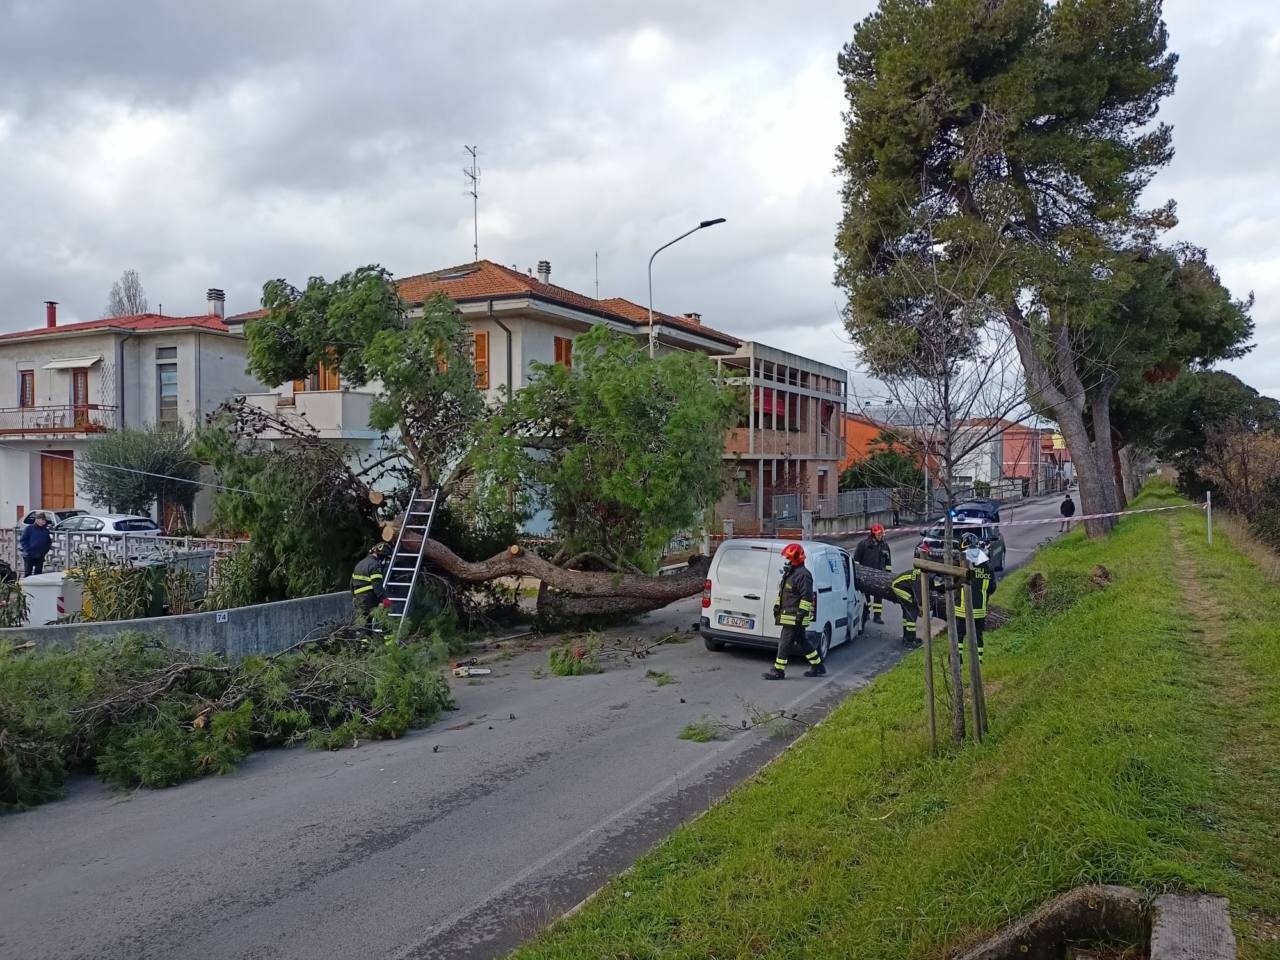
(1115, 755)
(660, 678)
(700, 731)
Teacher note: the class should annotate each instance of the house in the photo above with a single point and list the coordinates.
(791, 441)
(859, 433)
(74, 383)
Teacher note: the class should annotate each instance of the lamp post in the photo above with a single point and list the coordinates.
(702, 226)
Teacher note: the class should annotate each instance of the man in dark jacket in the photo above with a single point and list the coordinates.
(873, 552)
(34, 545)
(794, 611)
(1068, 510)
(367, 587)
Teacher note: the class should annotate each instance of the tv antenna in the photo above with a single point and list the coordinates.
(472, 173)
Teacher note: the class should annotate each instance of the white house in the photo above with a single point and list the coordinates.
(71, 384)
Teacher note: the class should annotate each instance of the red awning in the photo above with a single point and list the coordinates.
(768, 400)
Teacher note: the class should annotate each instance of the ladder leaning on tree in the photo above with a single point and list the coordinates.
(406, 558)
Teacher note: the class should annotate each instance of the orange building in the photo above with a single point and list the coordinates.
(859, 431)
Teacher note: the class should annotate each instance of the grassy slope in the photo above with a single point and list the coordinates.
(1110, 759)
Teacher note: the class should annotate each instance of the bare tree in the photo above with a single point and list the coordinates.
(127, 297)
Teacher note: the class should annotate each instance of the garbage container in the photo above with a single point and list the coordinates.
(50, 597)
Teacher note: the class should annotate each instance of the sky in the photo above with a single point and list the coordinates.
(222, 145)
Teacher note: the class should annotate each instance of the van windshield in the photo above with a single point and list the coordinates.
(744, 570)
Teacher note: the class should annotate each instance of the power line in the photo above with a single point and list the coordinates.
(144, 473)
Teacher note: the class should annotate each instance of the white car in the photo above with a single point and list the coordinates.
(54, 517)
(742, 587)
(110, 525)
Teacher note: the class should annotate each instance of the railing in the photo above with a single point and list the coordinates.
(116, 547)
(70, 418)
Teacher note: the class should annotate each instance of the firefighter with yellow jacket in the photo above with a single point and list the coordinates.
(794, 612)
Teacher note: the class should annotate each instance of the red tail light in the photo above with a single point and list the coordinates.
(924, 546)
(706, 594)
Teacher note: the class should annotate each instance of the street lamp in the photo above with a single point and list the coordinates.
(703, 225)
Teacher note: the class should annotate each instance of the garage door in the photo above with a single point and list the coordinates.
(57, 480)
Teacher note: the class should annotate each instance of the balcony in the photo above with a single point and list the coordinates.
(58, 420)
(332, 414)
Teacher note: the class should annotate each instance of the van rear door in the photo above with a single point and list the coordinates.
(740, 601)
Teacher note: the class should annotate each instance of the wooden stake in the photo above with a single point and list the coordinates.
(925, 626)
(957, 682)
(975, 669)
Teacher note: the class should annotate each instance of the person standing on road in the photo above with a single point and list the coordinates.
(873, 552)
(34, 545)
(794, 612)
(984, 584)
(905, 586)
(1068, 510)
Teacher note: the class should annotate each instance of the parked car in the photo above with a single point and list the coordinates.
(742, 586)
(977, 508)
(109, 524)
(53, 516)
(930, 545)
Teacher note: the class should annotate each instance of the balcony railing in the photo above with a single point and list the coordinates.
(72, 418)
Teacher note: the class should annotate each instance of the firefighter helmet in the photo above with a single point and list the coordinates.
(877, 530)
(794, 553)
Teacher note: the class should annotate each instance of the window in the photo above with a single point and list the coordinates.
(325, 378)
(166, 353)
(26, 388)
(481, 360)
(90, 524)
(166, 393)
(135, 525)
(564, 352)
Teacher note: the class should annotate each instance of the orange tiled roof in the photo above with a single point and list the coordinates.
(138, 323)
(638, 314)
(484, 279)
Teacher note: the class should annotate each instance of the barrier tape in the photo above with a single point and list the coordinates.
(971, 524)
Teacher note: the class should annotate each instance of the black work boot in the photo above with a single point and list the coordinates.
(774, 675)
(877, 619)
(817, 670)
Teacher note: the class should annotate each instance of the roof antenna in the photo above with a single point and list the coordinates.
(597, 274)
(472, 174)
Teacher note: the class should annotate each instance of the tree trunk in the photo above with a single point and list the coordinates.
(1117, 464)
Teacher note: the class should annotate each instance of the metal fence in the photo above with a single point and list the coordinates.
(908, 502)
(68, 546)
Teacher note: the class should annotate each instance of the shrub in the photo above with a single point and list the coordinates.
(576, 657)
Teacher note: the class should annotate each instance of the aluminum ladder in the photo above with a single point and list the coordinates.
(406, 558)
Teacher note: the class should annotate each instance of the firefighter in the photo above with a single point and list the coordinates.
(794, 612)
(905, 586)
(367, 580)
(984, 584)
(874, 552)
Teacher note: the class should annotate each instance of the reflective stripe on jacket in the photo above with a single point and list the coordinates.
(367, 576)
(983, 586)
(795, 597)
(904, 585)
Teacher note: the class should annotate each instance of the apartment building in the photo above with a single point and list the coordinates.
(790, 442)
(71, 384)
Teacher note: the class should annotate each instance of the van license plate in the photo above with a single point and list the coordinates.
(744, 623)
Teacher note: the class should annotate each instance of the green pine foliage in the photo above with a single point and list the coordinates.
(623, 450)
(576, 657)
(141, 714)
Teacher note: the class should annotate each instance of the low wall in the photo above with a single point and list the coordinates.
(235, 633)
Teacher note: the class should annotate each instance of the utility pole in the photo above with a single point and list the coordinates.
(472, 173)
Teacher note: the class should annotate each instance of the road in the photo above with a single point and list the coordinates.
(457, 841)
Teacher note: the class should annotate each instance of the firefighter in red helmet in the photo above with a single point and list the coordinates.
(794, 612)
(873, 552)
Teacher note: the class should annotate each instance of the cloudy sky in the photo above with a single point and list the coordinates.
(225, 144)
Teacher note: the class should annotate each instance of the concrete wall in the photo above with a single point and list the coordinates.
(265, 628)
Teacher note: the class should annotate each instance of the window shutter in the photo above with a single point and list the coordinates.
(564, 352)
(481, 342)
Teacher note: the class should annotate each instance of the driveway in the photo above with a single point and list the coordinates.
(457, 841)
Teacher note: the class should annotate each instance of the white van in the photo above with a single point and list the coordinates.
(742, 587)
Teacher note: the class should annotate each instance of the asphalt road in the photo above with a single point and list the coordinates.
(457, 841)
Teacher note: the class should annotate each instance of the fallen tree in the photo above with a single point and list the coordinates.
(595, 592)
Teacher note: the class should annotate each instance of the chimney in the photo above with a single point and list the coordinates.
(217, 302)
(544, 271)
(695, 317)
(51, 313)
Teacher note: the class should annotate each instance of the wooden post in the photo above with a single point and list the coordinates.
(925, 626)
(975, 668)
(957, 682)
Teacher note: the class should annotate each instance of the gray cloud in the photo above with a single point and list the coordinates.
(224, 144)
